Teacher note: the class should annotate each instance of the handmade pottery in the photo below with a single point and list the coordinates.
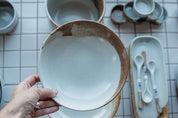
(107, 111)
(163, 18)
(148, 44)
(63, 11)
(144, 7)
(157, 13)
(131, 15)
(8, 17)
(117, 15)
(86, 62)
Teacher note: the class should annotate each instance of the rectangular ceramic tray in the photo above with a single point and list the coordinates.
(154, 52)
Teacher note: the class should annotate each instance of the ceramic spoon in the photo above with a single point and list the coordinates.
(152, 67)
(146, 96)
(139, 62)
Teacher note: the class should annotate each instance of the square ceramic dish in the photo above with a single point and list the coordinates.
(154, 52)
(86, 62)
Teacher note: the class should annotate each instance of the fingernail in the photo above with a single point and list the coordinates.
(55, 92)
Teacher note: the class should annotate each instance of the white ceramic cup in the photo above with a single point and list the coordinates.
(8, 17)
(63, 11)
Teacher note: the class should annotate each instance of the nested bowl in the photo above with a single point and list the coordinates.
(63, 11)
(86, 62)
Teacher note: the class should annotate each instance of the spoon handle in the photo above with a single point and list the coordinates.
(158, 106)
(139, 100)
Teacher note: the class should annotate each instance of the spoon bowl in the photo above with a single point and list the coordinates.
(147, 95)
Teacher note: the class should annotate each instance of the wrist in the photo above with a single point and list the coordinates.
(9, 111)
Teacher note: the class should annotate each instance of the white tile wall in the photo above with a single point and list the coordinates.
(1, 59)
(28, 42)
(172, 9)
(28, 58)
(12, 59)
(172, 39)
(12, 75)
(29, 9)
(12, 42)
(172, 25)
(174, 55)
(29, 25)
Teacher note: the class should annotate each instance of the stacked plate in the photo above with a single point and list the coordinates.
(88, 65)
(139, 11)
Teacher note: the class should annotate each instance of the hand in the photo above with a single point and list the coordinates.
(25, 98)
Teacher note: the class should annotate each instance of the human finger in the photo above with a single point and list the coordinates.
(30, 81)
(48, 104)
(46, 93)
(43, 112)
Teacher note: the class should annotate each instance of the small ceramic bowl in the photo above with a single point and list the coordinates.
(131, 15)
(163, 18)
(144, 7)
(117, 15)
(8, 17)
(86, 62)
(157, 13)
(63, 11)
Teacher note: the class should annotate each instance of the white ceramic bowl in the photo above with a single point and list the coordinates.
(63, 11)
(144, 7)
(117, 15)
(107, 111)
(8, 17)
(86, 62)
(157, 13)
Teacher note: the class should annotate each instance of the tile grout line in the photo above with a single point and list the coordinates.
(168, 66)
(37, 41)
(20, 79)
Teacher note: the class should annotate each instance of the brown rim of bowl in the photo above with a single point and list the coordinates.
(121, 8)
(99, 20)
(111, 37)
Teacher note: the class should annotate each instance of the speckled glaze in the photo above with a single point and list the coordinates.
(8, 17)
(84, 28)
(117, 15)
(63, 11)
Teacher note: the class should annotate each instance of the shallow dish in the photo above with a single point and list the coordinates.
(117, 15)
(8, 17)
(144, 7)
(86, 62)
(107, 111)
(157, 13)
(148, 44)
(130, 13)
(63, 11)
(163, 18)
